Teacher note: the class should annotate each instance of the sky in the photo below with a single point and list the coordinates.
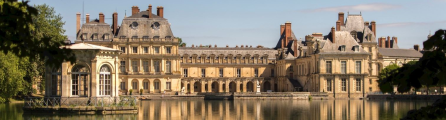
(257, 22)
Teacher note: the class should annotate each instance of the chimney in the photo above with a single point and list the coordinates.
(160, 11)
(282, 28)
(115, 23)
(150, 10)
(341, 18)
(287, 33)
(374, 27)
(246, 46)
(333, 35)
(241, 46)
(383, 41)
(388, 42)
(192, 45)
(380, 44)
(215, 46)
(416, 47)
(295, 48)
(135, 10)
(395, 39)
(236, 46)
(78, 22)
(210, 46)
(338, 25)
(366, 23)
(101, 17)
(87, 19)
(317, 35)
(227, 46)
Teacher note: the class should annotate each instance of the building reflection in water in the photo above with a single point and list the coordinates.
(275, 109)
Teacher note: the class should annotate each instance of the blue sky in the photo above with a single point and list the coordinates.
(256, 22)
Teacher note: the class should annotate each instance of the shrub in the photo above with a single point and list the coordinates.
(140, 91)
(131, 91)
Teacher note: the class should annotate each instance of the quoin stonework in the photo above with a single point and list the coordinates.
(142, 55)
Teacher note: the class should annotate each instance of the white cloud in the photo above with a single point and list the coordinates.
(360, 7)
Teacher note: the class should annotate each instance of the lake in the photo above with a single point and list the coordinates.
(243, 110)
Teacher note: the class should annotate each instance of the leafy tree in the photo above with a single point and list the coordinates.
(386, 76)
(181, 43)
(30, 38)
(20, 35)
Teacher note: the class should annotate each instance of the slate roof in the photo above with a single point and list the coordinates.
(341, 38)
(86, 46)
(226, 51)
(392, 52)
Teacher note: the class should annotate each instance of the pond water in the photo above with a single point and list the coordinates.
(242, 110)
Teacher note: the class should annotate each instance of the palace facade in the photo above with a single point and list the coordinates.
(142, 55)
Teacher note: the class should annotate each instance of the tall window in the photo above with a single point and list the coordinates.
(256, 72)
(220, 71)
(146, 49)
(344, 84)
(135, 49)
(135, 85)
(95, 36)
(123, 49)
(328, 84)
(203, 72)
(272, 72)
(358, 67)
(358, 84)
(157, 85)
(168, 67)
(239, 72)
(146, 85)
(79, 80)
(168, 50)
(104, 81)
(122, 66)
(343, 67)
(156, 50)
(145, 65)
(156, 65)
(135, 66)
(328, 66)
(122, 85)
(185, 72)
(168, 84)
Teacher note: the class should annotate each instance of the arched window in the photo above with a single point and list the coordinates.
(104, 81)
(79, 80)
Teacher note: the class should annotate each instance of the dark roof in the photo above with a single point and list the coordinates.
(393, 52)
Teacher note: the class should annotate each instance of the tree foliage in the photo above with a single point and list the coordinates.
(30, 39)
(181, 43)
(20, 35)
(386, 76)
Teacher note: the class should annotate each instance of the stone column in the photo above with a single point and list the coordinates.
(152, 68)
(227, 86)
(203, 86)
(237, 86)
(192, 87)
(210, 86)
(220, 86)
(244, 85)
(92, 90)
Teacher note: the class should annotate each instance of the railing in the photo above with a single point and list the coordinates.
(80, 101)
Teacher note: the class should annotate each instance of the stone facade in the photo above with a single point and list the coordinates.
(344, 63)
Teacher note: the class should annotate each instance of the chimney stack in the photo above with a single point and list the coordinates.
(333, 32)
(227, 46)
(150, 10)
(416, 47)
(383, 41)
(388, 42)
(78, 22)
(115, 23)
(87, 19)
(192, 45)
(366, 23)
(374, 27)
(282, 28)
(338, 25)
(287, 33)
(341, 18)
(101, 17)
(380, 44)
(395, 39)
(135, 10)
(160, 11)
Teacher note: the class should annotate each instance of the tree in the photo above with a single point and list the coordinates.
(386, 77)
(30, 38)
(181, 43)
(20, 35)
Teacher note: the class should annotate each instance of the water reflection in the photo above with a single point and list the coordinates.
(243, 110)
